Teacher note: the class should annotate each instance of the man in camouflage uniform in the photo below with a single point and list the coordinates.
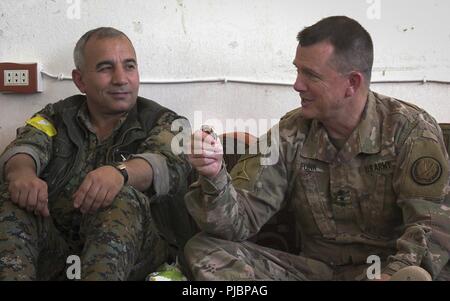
(79, 177)
(364, 174)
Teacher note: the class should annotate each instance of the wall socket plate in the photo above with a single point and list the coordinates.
(20, 78)
(16, 77)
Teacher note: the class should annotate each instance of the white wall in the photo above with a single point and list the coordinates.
(248, 39)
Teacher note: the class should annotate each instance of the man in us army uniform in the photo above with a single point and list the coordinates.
(364, 174)
(79, 176)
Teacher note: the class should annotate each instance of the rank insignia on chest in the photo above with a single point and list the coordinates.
(343, 197)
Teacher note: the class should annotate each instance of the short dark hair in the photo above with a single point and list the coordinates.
(353, 47)
(99, 33)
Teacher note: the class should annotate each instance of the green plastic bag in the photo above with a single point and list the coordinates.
(167, 272)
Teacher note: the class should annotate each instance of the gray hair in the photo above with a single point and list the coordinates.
(99, 33)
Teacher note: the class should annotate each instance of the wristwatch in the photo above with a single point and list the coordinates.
(122, 168)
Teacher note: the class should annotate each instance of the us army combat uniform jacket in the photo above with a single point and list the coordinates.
(380, 194)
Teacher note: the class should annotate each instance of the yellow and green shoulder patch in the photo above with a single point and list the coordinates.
(42, 124)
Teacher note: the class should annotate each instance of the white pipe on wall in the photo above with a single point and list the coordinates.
(225, 80)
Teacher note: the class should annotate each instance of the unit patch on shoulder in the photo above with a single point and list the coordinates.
(426, 171)
(43, 125)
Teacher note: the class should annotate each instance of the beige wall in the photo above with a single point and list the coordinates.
(244, 39)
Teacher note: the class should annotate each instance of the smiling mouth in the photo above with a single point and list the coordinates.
(119, 94)
(305, 101)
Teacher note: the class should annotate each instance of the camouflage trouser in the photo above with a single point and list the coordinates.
(119, 242)
(444, 275)
(211, 258)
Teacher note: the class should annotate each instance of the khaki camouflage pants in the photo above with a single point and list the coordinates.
(117, 243)
(210, 258)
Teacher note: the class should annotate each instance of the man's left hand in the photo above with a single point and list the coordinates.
(98, 189)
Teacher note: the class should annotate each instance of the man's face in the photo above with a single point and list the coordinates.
(321, 87)
(109, 76)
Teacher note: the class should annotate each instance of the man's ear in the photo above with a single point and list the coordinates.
(355, 80)
(77, 78)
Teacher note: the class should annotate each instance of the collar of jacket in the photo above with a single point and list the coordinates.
(366, 138)
(70, 119)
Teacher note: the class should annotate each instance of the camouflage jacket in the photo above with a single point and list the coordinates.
(57, 141)
(380, 194)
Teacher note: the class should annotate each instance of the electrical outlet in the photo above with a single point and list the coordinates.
(20, 78)
(16, 77)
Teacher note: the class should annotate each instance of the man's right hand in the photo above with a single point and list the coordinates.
(27, 190)
(206, 154)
